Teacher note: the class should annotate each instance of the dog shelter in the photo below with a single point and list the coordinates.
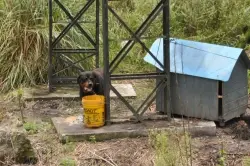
(208, 81)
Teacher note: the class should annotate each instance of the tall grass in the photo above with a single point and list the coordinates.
(23, 41)
(24, 32)
(223, 22)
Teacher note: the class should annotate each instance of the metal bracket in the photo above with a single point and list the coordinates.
(56, 53)
(163, 77)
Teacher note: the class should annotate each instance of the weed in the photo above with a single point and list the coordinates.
(246, 161)
(3, 111)
(67, 162)
(31, 127)
(170, 148)
(2, 115)
(46, 126)
(69, 147)
(20, 103)
(222, 158)
(92, 139)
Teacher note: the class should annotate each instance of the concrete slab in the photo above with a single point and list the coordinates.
(72, 128)
(41, 92)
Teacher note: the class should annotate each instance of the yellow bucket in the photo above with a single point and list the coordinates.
(93, 111)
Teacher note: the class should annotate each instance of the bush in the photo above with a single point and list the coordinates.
(223, 22)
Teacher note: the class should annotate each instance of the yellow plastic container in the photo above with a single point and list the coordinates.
(93, 111)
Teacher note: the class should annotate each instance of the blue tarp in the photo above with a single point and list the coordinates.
(197, 59)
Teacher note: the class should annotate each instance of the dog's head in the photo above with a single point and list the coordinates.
(86, 80)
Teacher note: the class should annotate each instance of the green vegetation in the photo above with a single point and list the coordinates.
(24, 33)
(92, 139)
(20, 103)
(246, 161)
(69, 147)
(171, 148)
(31, 127)
(22, 42)
(67, 162)
(222, 156)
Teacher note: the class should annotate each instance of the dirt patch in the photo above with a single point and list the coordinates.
(207, 149)
(137, 152)
(241, 130)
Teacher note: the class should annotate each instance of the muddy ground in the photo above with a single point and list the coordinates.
(233, 139)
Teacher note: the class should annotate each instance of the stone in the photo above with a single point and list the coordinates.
(16, 146)
(72, 128)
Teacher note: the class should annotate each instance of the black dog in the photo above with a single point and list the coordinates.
(91, 82)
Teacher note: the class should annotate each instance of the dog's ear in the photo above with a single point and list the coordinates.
(95, 75)
(79, 79)
(80, 74)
